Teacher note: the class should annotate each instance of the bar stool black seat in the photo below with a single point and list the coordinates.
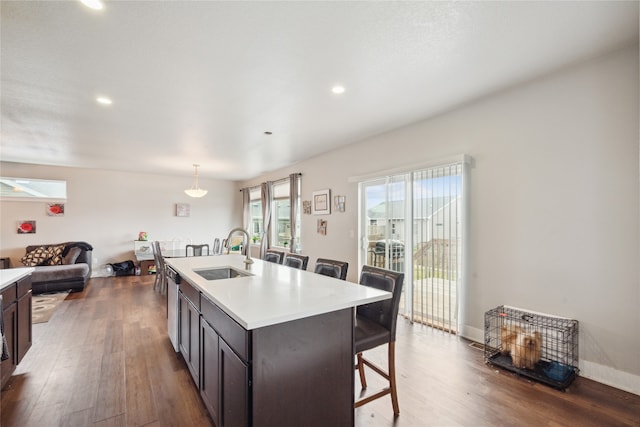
(375, 325)
(296, 261)
(331, 268)
(274, 256)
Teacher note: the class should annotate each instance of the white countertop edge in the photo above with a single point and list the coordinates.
(11, 275)
(274, 293)
(274, 320)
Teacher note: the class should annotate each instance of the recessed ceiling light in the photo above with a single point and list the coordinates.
(337, 89)
(93, 4)
(104, 100)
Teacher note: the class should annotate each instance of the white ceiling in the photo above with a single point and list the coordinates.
(200, 82)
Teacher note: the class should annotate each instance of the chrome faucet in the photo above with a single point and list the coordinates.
(248, 259)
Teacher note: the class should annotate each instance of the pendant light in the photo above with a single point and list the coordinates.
(195, 191)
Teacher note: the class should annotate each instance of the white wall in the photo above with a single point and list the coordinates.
(554, 209)
(108, 209)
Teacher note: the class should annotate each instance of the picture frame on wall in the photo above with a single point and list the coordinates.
(26, 227)
(321, 202)
(322, 227)
(306, 207)
(55, 209)
(183, 209)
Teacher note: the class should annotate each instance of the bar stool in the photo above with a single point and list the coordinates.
(331, 268)
(196, 249)
(272, 255)
(375, 325)
(296, 261)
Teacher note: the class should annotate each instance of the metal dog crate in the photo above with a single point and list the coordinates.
(558, 365)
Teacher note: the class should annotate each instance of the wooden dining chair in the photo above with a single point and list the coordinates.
(160, 282)
(296, 261)
(197, 250)
(331, 268)
(273, 255)
(375, 325)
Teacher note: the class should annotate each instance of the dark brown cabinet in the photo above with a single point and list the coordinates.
(234, 389)
(224, 384)
(209, 378)
(189, 335)
(24, 329)
(9, 314)
(261, 377)
(16, 312)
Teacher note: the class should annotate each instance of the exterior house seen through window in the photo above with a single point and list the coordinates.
(280, 216)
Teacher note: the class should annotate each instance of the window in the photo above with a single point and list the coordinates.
(279, 226)
(255, 209)
(281, 214)
(28, 189)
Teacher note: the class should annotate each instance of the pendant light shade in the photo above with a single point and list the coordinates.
(195, 191)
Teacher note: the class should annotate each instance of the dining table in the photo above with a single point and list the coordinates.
(145, 259)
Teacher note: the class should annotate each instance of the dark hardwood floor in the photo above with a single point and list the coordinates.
(104, 359)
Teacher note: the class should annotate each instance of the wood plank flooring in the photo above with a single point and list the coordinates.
(104, 359)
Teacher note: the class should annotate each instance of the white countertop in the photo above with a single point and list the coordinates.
(12, 275)
(275, 293)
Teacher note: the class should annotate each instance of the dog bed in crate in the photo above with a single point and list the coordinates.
(554, 358)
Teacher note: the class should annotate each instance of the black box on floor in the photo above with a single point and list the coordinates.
(124, 268)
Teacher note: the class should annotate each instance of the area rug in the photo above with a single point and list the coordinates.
(44, 305)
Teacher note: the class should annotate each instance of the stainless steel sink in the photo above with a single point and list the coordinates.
(219, 273)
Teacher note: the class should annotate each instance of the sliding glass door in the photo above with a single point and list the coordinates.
(412, 222)
(383, 222)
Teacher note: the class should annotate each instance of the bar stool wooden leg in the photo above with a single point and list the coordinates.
(363, 380)
(392, 378)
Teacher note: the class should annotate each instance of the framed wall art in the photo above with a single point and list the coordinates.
(322, 227)
(338, 203)
(321, 202)
(26, 227)
(55, 209)
(306, 207)
(183, 209)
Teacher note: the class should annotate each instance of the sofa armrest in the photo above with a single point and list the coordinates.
(87, 258)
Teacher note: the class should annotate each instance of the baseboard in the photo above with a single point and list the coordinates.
(610, 376)
(594, 371)
(471, 333)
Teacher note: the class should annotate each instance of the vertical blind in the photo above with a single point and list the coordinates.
(437, 236)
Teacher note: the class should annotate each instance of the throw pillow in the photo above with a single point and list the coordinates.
(36, 257)
(72, 256)
(56, 254)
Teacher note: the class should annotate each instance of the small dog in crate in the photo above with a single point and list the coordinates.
(525, 347)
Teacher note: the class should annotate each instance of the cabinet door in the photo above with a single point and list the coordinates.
(183, 326)
(209, 383)
(10, 318)
(189, 336)
(194, 341)
(24, 337)
(234, 388)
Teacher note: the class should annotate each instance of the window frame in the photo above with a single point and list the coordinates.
(255, 200)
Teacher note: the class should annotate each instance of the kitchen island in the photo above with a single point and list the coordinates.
(271, 347)
(15, 305)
